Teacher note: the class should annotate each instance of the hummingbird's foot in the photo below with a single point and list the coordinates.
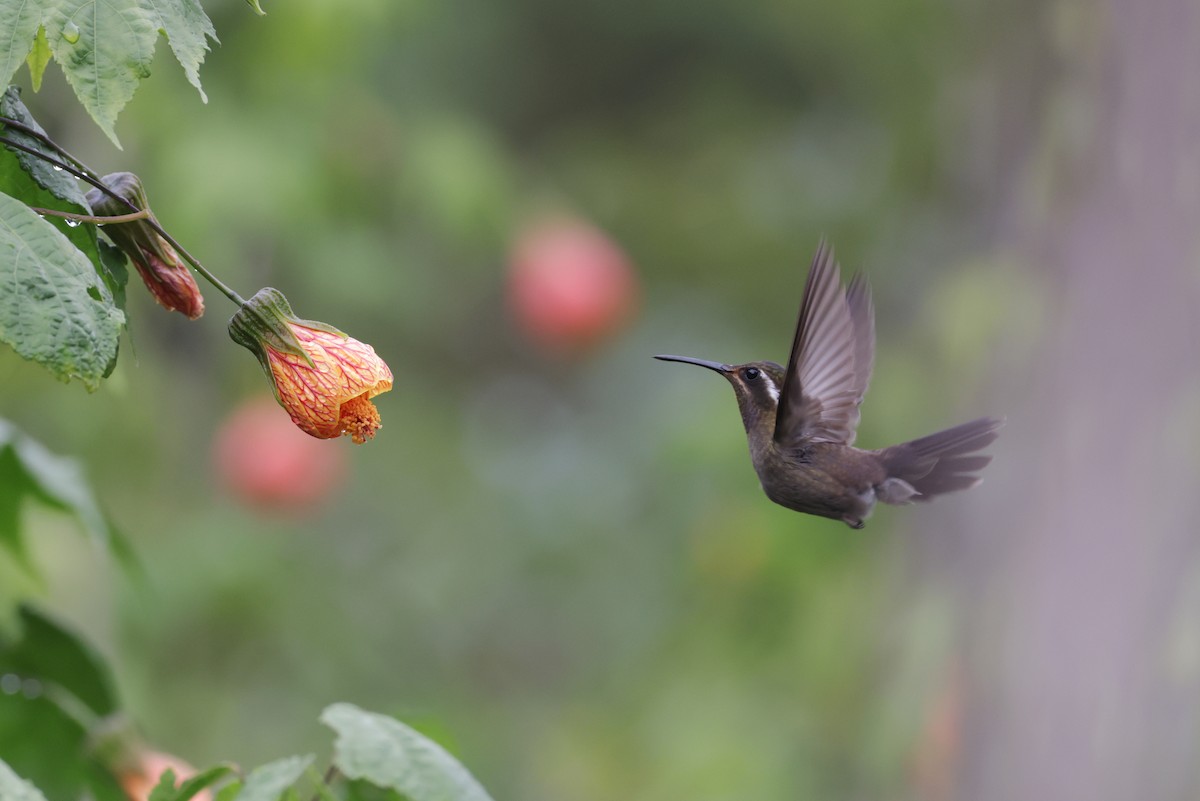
(854, 523)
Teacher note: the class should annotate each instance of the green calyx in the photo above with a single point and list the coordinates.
(263, 321)
(131, 237)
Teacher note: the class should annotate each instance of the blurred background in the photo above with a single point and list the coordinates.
(555, 557)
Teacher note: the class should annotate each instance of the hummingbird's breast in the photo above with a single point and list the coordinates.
(820, 478)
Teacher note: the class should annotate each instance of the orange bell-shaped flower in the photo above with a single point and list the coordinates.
(322, 377)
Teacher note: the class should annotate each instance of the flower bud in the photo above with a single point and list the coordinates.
(164, 273)
(322, 377)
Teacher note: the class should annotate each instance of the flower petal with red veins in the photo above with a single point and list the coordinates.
(331, 396)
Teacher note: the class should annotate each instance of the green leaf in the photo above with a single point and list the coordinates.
(267, 782)
(322, 790)
(41, 741)
(110, 266)
(29, 470)
(101, 784)
(230, 791)
(188, 30)
(53, 687)
(104, 47)
(360, 790)
(14, 788)
(54, 656)
(36, 183)
(114, 46)
(38, 58)
(203, 780)
(19, 20)
(257, 8)
(59, 183)
(14, 486)
(384, 751)
(54, 308)
(166, 790)
(114, 270)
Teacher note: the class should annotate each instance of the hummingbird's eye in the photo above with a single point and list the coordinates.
(752, 373)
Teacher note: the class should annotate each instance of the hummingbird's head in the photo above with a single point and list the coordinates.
(756, 384)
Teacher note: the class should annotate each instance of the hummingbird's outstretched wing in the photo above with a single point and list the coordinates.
(830, 363)
(862, 314)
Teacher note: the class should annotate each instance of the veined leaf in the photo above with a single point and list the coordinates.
(59, 183)
(54, 308)
(105, 50)
(36, 183)
(188, 30)
(19, 23)
(104, 47)
(389, 754)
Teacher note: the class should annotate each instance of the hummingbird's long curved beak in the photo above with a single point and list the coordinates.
(717, 366)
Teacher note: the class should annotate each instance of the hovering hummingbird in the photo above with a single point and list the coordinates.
(801, 421)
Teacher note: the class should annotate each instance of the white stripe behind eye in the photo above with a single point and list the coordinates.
(772, 390)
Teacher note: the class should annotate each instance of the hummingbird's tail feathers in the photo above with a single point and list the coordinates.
(943, 462)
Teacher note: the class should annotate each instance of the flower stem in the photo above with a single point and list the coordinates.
(323, 793)
(29, 130)
(87, 218)
(70, 705)
(84, 174)
(221, 286)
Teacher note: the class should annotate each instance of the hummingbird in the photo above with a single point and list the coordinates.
(800, 421)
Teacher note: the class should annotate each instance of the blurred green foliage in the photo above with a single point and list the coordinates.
(560, 568)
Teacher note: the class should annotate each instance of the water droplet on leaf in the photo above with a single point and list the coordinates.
(72, 223)
(70, 32)
(57, 168)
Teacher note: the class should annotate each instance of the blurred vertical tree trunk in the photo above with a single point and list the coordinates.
(1082, 622)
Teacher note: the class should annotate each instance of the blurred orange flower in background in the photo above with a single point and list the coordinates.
(142, 776)
(269, 465)
(570, 284)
